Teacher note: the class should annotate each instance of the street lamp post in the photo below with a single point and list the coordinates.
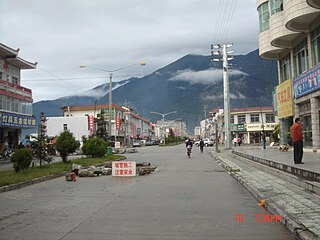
(163, 115)
(110, 84)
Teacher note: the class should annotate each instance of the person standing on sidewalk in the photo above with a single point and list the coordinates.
(297, 141)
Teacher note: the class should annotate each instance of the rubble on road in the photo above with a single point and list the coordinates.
(145, 170)
(92, 171)
(71, 177)
(132, 150)
(124, 150)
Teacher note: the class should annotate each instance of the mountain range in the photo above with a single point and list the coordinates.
(185, 86)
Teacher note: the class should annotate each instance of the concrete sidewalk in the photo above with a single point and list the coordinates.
(288, 188)
(272, 157)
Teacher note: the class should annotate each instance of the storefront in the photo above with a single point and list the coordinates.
(306, 89)
(11, 125)
(255, 131)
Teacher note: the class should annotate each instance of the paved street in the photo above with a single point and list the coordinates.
(184, 199)
(286, 194)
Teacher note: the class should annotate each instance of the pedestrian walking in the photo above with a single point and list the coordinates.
(239, 141)
(189, 145)
(201, 144)
(297, 141)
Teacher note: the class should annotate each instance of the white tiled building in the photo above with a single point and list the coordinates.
(290, 34)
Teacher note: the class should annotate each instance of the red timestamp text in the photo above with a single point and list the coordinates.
(260, 217)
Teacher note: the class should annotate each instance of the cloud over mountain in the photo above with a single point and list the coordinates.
(209, 76)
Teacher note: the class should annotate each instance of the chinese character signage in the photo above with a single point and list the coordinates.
(284, 99)
(16, 120)
(91, 123)
(307, 82)
(237, 127)
(255, 127)
(118, 122)
(105, 113)
(123, 169)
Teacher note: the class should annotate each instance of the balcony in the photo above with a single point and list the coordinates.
(15, 91)
(314, 3)
(299, 16)
(281, 36)
(266, 50)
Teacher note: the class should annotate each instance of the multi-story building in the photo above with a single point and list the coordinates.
(290, 34)
(15, 101)
(250, 124)
(178, 127)
(125, 125)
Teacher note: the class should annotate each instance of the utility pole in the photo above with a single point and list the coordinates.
(205, 120)
(226, 97)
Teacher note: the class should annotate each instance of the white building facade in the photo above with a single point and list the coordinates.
(250, 124)
(162, 129)
(79, 120)
(290, 34)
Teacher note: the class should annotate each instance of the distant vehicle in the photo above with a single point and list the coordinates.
(136, 143)
(207, 142)
(152, 142)
(155, 142)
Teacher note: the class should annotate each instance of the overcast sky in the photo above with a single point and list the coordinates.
(62, 34)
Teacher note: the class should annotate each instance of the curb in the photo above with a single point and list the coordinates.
(42, 179)
(30, 182)
(292, 225)
(306, 174)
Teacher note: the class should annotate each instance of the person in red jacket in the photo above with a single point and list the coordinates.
(297, 141)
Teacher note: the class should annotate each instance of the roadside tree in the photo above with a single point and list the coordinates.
(21, 159)
(66, 144)
(95, 147)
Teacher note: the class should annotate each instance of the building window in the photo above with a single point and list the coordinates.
(270, 118)
(231, 119)
(264, 16)
(15, 105)
(316, 46)
(0, 75)
(275, 6)
(15, 80)
(305, 107)
(242, 119)
(300, 57)
(65, 127)
(307, 130)
(254, 118)
(4, 103)
(285, 68)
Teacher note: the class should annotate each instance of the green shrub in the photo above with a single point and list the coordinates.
(21, 159)
(95, 147)
(66, 144)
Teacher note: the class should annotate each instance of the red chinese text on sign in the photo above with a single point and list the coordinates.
(123, 169)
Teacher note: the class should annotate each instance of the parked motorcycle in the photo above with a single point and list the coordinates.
(6, 154)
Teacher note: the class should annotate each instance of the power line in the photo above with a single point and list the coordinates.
(225, 14)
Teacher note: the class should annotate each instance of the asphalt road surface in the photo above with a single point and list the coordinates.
(185, 198)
